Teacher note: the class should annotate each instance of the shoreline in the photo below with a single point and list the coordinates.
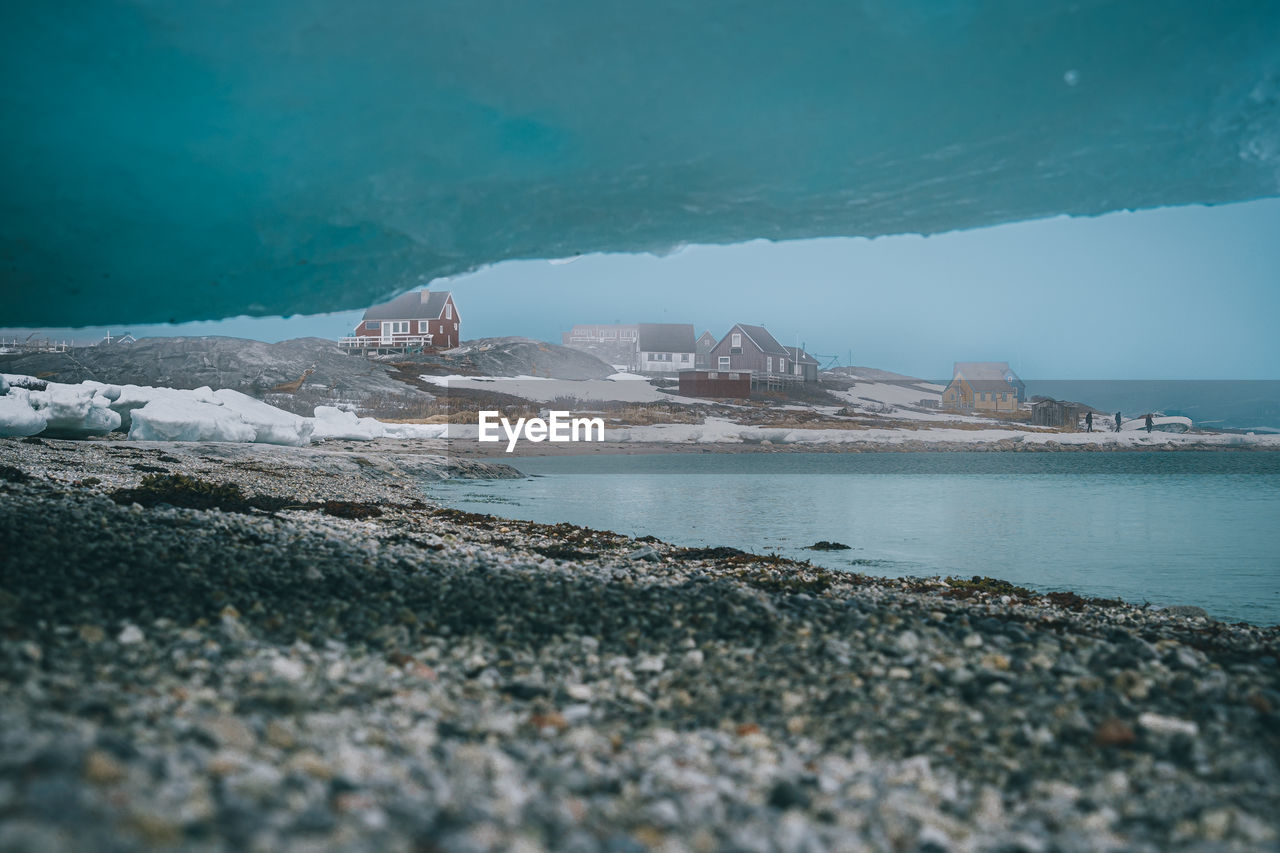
(470, 449)
(385, 672)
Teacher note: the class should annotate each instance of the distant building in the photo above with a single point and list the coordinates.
(705, 343)
(418, 319)
(664, 348)
(984, 386)
(611, 343)
(803, 365)
(1046, 411)
(752, 348)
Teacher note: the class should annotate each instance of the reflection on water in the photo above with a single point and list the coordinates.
(1168, 528)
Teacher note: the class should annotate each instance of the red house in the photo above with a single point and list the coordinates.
(418, 319)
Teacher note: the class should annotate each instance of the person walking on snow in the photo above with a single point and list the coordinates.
(1088, 422)
(1117, 421)
(1150, 424)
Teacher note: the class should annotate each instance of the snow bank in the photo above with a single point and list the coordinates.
(331, 422)
(416, 430)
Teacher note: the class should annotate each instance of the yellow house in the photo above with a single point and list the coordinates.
(984, 386)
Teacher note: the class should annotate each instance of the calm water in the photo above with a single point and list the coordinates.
(1165, 528)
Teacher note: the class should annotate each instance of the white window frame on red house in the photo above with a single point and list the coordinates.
(448, 310)
(423, 328)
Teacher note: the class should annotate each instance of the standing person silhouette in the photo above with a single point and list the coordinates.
(1150, 424)
(1088, 422)
(1117, 421)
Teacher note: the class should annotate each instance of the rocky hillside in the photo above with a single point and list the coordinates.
(300, 374)
(510, 357)
(251, 367)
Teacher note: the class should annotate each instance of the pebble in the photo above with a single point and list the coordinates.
(1167, 725)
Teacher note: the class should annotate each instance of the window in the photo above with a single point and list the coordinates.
(400, 327)
(372, 325)
(684, 358)
(768, 364)
(724, 362)
(422, 327)
(736, 340)
(713, 375)
(448, 310)
(733, 376)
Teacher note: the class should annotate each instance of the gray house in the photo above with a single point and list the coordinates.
(746, 347)
(705, 344)
(664, 348)
(802, 364)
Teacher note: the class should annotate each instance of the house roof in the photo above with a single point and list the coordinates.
(764, 341)
(665, 337)
(986, 375)
(980, 370)
(414, 305)
(799, 356)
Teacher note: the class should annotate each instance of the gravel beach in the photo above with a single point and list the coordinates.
(293, 650)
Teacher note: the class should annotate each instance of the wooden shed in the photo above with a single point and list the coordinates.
(715, 383)
(1045, 411)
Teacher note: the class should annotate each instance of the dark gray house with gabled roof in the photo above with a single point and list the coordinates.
(664, 347)
(747, 347)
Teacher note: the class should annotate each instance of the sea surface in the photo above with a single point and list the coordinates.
(1165, 528)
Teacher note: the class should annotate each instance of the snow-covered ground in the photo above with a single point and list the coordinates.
(725, 431)
(620, 387)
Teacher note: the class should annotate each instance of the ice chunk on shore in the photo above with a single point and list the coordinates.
(17, 417)
(271, 425)
(61, 411)
(75, 411)
(172, 418)
(331, 422)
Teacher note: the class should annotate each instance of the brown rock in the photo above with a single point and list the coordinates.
(101, 768)
(1113, 733)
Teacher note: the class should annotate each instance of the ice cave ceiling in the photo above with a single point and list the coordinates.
(205, 159)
